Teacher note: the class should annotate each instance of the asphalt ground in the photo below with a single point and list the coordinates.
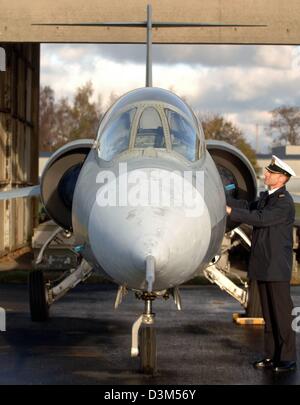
(86, 341)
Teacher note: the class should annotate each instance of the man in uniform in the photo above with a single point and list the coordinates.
(272, 217)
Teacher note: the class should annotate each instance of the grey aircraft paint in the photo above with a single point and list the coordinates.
(119, 238)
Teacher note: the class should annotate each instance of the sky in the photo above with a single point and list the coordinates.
(241, 82)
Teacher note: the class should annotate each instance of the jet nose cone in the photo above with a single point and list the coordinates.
(150, 245)
(122, 237)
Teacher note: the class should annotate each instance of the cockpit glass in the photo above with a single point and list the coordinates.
(183, 135)
(115, 137)
(150, 132)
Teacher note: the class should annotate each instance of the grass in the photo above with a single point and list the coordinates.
(21, 277)
(14, 277)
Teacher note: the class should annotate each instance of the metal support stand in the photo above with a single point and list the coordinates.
(215, 276)
(78, 275)
(122, 291)
(47, 243)
(177, 297)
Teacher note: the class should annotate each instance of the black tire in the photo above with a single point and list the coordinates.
(147, 346)
(39, 308)
(254, 306)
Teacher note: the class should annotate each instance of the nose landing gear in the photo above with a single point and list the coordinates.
(144, 337)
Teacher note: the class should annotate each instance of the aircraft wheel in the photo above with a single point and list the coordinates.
(148, 358)
(38, 302)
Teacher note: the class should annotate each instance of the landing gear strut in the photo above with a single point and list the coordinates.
(144, 337)
(42, 295)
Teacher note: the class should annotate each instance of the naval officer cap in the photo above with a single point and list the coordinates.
(278, 166)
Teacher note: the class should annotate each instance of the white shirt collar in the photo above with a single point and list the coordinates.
(273, 190)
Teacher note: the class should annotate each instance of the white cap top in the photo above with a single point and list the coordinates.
(279, 166)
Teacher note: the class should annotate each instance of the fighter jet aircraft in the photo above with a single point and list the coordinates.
(144, 202)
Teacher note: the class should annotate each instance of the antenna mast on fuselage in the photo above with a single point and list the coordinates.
(149, 47)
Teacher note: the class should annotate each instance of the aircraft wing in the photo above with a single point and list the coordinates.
(32, 191)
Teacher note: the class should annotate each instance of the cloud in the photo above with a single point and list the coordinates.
(276, 57)
(242, 82)
(253, 124)
(204, 55)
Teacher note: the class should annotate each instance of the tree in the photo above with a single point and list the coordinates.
(47, 119)
(216, 127)
(85, 117)
(286, 122)
(62, 122)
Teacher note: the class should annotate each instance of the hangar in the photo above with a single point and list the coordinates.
(20, 41)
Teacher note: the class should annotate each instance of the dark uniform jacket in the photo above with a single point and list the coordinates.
(272, 217)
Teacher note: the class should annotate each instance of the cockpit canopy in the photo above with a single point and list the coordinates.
(150, 118)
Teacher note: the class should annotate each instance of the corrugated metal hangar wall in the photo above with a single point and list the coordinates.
(19, 101)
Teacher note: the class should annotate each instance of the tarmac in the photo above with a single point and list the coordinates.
(86, 341)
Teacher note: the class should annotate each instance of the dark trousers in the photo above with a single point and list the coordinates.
(277, 305)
